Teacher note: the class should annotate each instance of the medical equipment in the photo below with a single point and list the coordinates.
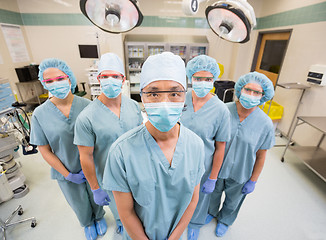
(317, 75)
(4, 225)
(113, 16)
(14, 131)
(231, 20)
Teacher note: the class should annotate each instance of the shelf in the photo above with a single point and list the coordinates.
(135, 69)
(137, 57)
(313, 157)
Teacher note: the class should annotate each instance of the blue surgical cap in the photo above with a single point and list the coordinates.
(111, 62)
(202, 63)
(259, 78)
(59, 64)
(164, 66)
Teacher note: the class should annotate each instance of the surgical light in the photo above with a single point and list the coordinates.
(114, 16)
(231, 20)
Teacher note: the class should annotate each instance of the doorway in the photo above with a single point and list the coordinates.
(270, 52)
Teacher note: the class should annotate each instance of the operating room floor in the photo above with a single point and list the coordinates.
(289, 202)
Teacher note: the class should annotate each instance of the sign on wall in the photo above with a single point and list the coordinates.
(15, 42)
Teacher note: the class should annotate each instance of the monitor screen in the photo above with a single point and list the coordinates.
(88, 51)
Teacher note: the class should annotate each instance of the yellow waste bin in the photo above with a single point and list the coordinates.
(275, 112)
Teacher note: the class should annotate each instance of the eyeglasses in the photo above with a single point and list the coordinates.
(199, 79)
(158, 96)
(52, 80)
(254, 92)
(106, 76)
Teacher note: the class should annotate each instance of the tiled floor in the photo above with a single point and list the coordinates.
(289, 203)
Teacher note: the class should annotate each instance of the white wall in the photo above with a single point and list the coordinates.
(277, 6)
(7, 69)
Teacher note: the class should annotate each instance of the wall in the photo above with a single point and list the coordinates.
(7, 68)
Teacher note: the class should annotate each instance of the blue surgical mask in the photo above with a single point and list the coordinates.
(249, 101)
(59, 89)
(164, 115)
(202, 88)
(111, 87)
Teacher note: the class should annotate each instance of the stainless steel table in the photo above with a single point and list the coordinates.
(298, 86)
(313, 157)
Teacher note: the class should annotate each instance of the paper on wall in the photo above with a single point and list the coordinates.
(15, 42)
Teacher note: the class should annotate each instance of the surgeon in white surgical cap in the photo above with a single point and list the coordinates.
(100, 124)
(155, 169)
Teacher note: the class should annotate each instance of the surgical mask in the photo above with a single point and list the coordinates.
(202, 88)
(249, 101)
(111, 87)
(59, 89)
(164, 115)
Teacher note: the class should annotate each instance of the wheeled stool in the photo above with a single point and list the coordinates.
(6, 224)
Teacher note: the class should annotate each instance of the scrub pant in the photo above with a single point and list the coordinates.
(200, 214)
(232, 203)
(113, 208)
(80, 199)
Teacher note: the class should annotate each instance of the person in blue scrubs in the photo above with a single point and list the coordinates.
(100, 124)
(155, 169)
(252, 134)
(209, 118)
(52, 130)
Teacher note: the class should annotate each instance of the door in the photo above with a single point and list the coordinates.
(271, 54)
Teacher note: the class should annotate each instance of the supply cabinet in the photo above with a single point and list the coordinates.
(139, 47)
(93, 83)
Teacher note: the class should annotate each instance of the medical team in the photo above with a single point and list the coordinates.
(164, 175)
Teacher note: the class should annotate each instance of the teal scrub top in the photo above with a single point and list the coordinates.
(97, 126)
(161, 192)
(211, 123)
(50, 127)
(247, 137)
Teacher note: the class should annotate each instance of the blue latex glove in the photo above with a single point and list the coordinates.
(77, 178)
(249, 187)
(209, 186)
(101, 197)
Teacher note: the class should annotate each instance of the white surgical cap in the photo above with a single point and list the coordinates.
(164, 66)
(110, 61)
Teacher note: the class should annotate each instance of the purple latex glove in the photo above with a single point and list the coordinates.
(77, 178)
(101, 197)
(208, 186)
(249, 187)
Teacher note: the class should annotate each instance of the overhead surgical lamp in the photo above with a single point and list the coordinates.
(231, 20)
(113, 16)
